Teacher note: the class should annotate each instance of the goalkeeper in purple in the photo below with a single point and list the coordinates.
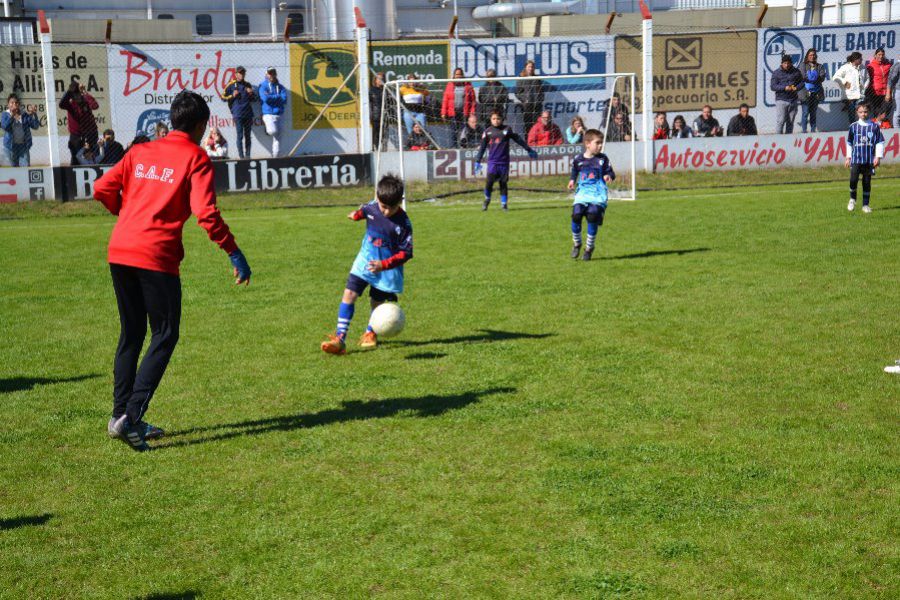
(386, 247)
(497, 137)
(591, 172)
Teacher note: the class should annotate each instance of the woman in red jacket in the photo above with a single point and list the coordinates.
(458, 102)
(877, 88)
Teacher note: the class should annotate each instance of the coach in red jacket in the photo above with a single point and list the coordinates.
(153, 190)
(545, 132)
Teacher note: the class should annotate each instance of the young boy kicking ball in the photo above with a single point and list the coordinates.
(386, 247)
(591, 172)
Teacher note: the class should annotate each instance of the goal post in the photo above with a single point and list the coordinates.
(415, 119)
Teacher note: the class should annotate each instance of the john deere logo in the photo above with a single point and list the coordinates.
(323, 73)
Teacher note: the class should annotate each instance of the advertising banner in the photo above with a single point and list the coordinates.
(317, 74)
(21, 73)
(832, 45)
(77, 183)
(760, 152)
(689, 71)
(585, 97)
(460, 164)
(25, 183)
(427, 60)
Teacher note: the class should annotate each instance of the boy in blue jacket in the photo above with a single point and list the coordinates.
(273, 96)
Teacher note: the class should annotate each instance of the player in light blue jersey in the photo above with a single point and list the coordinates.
(591, 172)
(386, 247)
(865, 148)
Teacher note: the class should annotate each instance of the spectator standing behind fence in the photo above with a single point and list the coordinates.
(575, 131)
(18, 125)
(619, 129)
(706, 125)
(111, 151)
(530, 93)
(215, 145)
(78, 105)
(376, 97)
(786, 80)
(492, 97)
(458, 101)
(812, 93)
(660, 127)
(893, 88)
(877, 91)
(240, 96)
(272, 97)
(616, 107)
(742, 123)
(680, 129)
(545, 132)
(850, 78)
(470, 136)
(414, 98)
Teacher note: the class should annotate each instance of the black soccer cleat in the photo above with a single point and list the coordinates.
(151, 432)
(133, 435)
(484, 205)
(587, 254)
(576, 249)
(505, 208)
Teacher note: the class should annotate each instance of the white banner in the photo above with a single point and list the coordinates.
(760, 152)
(833, 45)
(553, 56)
(145, 78)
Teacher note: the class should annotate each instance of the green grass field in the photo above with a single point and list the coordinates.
(700, 412)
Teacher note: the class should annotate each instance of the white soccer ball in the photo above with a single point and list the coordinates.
(387, 320)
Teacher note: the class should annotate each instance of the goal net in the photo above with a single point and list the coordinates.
(424, 128)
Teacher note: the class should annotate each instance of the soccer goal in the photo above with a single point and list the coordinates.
(416, 138)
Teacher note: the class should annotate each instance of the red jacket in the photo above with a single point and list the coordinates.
(153, 190)
(448, 104)
(878, 76)
(544, 136)
(80, 118)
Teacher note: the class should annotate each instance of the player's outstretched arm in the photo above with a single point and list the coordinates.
(518, 139)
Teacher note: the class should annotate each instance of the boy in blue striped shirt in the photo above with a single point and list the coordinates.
(591, 172)
(865, 148)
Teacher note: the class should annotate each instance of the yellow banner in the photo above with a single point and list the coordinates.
(317, 74)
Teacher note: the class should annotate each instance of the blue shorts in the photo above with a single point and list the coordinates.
(593, 212)
(359, 285)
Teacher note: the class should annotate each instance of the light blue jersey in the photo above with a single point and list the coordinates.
(588, 174)
(388, 240)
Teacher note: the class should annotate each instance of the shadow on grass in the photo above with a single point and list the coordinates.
(651, 253)
(425, 355)
(483, 335)
(18, 384)
(188, 595)
(353, 410)
(17, 522)
(888, 208)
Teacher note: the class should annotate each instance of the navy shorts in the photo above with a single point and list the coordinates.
(359, 285)
(593, 212)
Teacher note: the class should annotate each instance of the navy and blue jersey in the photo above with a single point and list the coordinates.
(388, 240)
(498, 139)
(865, 143)
(588, 174)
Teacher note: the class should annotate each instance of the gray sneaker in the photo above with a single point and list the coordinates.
(133, 435)
(151, 432)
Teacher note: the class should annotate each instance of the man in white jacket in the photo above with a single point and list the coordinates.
(850, 78)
